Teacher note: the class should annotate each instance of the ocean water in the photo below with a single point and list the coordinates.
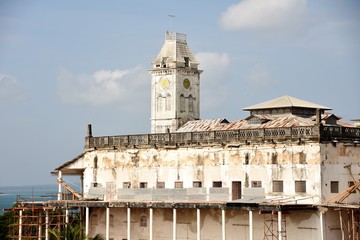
(9, 195)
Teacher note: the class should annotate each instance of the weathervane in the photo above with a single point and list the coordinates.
(171, 18)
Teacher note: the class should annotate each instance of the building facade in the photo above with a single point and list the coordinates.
(290, 170)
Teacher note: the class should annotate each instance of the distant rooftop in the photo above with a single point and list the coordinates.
(286, 102)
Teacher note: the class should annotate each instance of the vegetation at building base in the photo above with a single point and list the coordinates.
(74, 232)
(5, 220)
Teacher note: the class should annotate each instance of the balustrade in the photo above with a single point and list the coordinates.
(323, 133)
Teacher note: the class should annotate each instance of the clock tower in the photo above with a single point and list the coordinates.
(175, 85)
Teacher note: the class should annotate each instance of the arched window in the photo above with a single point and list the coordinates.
(182, 103)
(111, 220)
(94, 219)
(143, 221)
(160, 104)
(191, 103)
(168, 102)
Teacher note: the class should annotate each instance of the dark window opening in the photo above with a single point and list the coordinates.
(334, 186)
(278, 186)
(217, 184)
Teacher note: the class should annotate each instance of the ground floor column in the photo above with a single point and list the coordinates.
(223, 226)
(250, 225)
(151, 223)
(198, 224)
(322, 226)
(87, 221)
(279, 225)
(107, 228)
(20, 224)
(128, 223)
(47, 225)
(174, 223)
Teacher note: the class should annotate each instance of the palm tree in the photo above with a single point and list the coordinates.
(71, 232)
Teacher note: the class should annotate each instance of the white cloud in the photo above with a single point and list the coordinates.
(10, 89)
(264, 14)
(260, 76)
(104, 87)
(213, 79)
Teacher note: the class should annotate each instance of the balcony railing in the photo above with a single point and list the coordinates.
(315, 133)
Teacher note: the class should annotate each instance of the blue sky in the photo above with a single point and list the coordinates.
(64, 64)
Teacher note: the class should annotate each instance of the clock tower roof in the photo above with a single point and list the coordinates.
(175, 53)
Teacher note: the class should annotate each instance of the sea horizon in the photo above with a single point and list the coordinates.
(8, 194)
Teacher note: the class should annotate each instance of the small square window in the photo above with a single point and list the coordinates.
(160, 185)
(278, 186)
(143, 185)
(300, 186)
(126, 184)
(217, 184)
(197, 184)
(334, 186)
(178, 184)
(256, 184)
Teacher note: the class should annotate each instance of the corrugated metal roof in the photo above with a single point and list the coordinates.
(203, 125)
(285, 102)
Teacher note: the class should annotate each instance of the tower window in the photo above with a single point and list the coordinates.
(182, 103)
(187, 62)
(168, 102)
(163, 62)
(160, 103)
(191, 103)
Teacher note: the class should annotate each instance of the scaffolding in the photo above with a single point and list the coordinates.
(34, 216)
(271, 227)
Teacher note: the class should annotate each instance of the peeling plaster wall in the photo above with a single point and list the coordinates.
(246, 163)
(337, 161)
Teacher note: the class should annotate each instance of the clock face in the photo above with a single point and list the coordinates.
(186, 83)
(164, 83)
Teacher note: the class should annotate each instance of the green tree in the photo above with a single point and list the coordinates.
(71, 232)
(5, 221)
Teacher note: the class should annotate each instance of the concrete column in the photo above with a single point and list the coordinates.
(223, 227)
(250, 225)
(107, 227)
(20, 224)
(87, 221)
(322, 226)
(279, 225)
(60, 187)
(47, 225)
(151, 223)
(128, 223)
(174, 223)
(198, 229)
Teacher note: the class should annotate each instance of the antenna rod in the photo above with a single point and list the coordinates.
(171, 18)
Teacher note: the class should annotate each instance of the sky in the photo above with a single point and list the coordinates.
(65, 64)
